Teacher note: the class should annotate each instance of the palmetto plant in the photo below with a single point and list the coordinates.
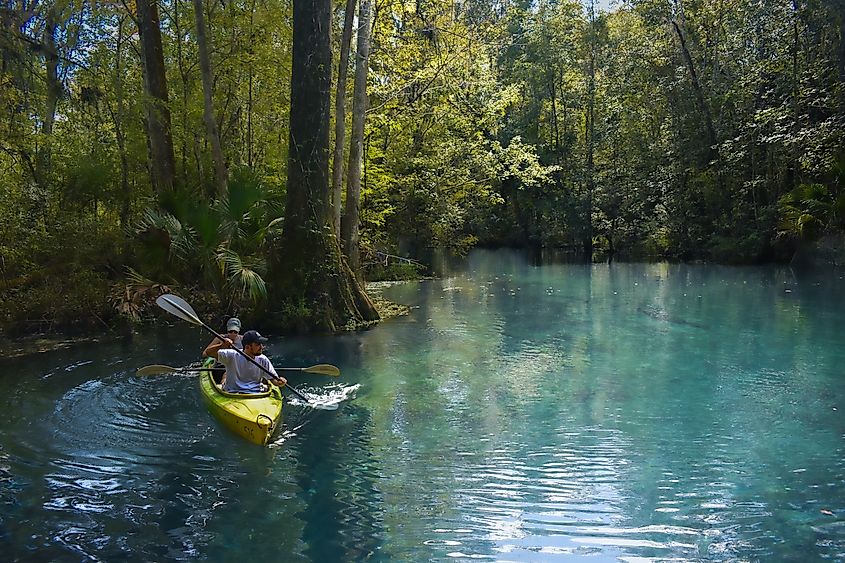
(221, 244)
(243, 275)
(810, 209)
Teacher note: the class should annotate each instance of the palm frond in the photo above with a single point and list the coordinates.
(130, 299)
(182, 239)
(242, 276)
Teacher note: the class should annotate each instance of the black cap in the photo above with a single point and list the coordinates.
(252, 336)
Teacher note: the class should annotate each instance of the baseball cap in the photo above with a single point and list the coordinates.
(233, 324)
(251, 336)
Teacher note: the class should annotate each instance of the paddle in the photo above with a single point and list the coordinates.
(178, 307)
(157, 369)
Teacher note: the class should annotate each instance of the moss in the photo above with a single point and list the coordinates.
(394, 271)
(386, 308)
(389, 309)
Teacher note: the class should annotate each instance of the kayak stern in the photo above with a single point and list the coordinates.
(253, 417)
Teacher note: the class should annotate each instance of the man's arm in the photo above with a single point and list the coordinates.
(276, 379)
(215, 346)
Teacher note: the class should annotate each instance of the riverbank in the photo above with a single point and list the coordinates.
(41, 343)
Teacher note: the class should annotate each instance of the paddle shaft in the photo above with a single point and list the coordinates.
(322, 369)
(241, 352)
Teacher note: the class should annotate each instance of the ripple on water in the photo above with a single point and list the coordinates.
(116, 476)
(559, 501)
(134, 417)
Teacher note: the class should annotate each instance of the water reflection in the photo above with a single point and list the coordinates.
(660, 353)
(522, 412)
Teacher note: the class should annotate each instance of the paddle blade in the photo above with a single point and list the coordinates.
(178, 307)
(156, 369)
(323, 369)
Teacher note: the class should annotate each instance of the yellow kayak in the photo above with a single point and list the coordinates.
(253, 416)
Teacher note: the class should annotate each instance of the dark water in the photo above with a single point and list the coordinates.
(520, 413)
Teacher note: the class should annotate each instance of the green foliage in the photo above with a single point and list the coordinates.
(68, 299)
(137, 295)
(242, 277)
(393, 270)
(807, 210)
(519, 123)
(296, 315)
(222, 244)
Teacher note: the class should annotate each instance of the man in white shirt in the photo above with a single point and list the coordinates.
(242, 376)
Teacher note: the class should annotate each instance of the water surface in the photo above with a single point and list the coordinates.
(522, 412)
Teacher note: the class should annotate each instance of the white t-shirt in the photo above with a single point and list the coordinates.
(242, 376)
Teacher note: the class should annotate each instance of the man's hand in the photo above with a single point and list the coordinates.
(281, 381)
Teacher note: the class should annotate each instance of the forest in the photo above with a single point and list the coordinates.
(267, 157)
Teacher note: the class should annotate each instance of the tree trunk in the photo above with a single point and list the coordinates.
(842, 41)
(315, 285)
(356, 144)
(794, 165)
(589, 134)
(698, 91)
(555, 126)
(162, 162)
(185, 75)
(221, 175)
(340, 114)
(126, 195)
(54, 89)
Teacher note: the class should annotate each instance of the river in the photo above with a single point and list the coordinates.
(521, 412)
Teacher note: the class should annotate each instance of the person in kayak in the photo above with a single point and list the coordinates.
(242, 376)
(233, 331)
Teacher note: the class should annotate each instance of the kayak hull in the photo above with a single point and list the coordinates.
(253, 417)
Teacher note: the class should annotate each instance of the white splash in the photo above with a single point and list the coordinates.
(327, 398)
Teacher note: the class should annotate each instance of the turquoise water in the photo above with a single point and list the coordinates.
(629, 412)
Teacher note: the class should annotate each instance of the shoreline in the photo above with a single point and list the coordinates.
(43, 343)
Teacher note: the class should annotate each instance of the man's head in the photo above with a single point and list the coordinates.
(252, 342)
(233, 326)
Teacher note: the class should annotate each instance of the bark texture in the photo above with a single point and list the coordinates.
(315, 285)
(162, 161)
(221, 174)
(356, 144)
(340, 114)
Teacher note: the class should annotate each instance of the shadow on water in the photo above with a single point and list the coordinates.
(337, 478)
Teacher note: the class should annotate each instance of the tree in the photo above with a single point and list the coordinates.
(340, 113)
(350, 223)
(221, 175)
(314, 283)
(589, 129)
(162, 161)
